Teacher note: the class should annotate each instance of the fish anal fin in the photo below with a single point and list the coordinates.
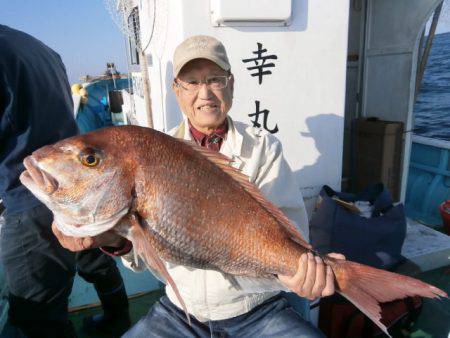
(142, 244)
(225, 164)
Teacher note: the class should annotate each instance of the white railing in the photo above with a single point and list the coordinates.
(431, 142)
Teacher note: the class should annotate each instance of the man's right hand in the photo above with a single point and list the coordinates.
(75, 244)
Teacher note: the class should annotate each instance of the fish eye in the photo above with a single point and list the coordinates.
(89, 160)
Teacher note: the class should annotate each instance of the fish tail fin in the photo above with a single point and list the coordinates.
(366, 287)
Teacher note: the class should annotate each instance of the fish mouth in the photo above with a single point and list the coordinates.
(35, 176)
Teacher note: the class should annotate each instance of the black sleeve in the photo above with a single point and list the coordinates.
(3, 97)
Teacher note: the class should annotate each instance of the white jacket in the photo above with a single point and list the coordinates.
(208, 294)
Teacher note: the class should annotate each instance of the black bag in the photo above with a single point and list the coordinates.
(375, 241)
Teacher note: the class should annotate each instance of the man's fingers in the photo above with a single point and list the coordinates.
(73, 243)
(61, 237)
(329, 287)
(337, 255)
(56, 231)
(78, 243)
(320, 280)
(299, 277)
(313, 278)
(295, 282)
(87, 242)
(310, 276)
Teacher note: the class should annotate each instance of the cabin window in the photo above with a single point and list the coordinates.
(134, 36)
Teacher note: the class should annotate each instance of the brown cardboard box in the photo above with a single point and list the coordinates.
(377, 154)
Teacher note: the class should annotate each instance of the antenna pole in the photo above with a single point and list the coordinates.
(426, 52)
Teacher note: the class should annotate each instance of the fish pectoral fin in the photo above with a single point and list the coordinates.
(142, 244)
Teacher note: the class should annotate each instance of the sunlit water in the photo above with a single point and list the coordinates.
(432, 108)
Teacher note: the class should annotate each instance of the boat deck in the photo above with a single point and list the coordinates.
(139, 306)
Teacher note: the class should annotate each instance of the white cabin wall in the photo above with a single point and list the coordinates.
(305, 93)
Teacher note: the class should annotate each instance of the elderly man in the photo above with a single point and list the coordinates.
(204, 87)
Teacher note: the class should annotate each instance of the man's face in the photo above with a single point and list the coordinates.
(206, 108)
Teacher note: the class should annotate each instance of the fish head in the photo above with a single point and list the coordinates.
(84, 180)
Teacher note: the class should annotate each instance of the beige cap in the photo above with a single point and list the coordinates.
(200, 47)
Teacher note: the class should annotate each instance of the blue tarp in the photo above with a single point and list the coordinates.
(95, 113)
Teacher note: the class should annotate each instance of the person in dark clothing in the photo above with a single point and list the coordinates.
(36, 109)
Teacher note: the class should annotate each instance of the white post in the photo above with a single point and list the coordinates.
(146, 88)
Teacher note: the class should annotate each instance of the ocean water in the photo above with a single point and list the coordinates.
(432, 108)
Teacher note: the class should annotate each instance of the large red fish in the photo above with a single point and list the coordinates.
(186, 205)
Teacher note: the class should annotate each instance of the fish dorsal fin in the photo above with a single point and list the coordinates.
(224, 163)
(213, 156)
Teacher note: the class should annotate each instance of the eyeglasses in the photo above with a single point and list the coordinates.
(214, 82)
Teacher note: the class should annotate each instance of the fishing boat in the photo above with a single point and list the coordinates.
(305, 71)
(98, 100)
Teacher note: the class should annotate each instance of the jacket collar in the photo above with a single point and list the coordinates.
(231, 146)
(201, 138)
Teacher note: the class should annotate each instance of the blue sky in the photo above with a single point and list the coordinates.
(83, 33)
(444, 19)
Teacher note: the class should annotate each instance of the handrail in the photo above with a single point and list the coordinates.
(431, 141)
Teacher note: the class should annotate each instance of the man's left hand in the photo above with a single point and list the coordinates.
(75, 244)
(313, 278)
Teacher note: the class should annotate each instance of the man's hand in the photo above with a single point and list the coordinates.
(108, 238)
(313, 279)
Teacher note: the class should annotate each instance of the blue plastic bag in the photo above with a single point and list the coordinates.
(376, 241)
